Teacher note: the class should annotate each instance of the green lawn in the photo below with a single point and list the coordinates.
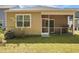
(54, 43)
(66, 38)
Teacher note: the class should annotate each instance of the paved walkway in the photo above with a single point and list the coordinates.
(39, 47)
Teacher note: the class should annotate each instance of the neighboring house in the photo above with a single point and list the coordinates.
(2, 18)
(40, 19)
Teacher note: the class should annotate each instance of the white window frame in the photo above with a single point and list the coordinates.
(23, 21)
(48, 25)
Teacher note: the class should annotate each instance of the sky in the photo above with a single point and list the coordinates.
(56, 6)
(68, 6)
(65, 6)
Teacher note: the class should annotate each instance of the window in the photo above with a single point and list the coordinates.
(26, 20)
(19, 21)
(23, 20)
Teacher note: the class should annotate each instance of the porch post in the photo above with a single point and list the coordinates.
(73, 23)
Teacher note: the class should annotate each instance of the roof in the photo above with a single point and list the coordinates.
(40, 6)
(6, 6)
(33, 7)
(36, 8)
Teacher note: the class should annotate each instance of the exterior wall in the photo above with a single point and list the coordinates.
(35, 23)
(60, 20)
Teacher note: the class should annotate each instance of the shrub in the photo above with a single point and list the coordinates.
(10, 35)
(1, 31)
(1, 35)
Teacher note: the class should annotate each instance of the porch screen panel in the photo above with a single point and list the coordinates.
(44, 23)
(51, 26)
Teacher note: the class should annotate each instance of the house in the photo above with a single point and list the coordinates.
(2, 14)
(41, 20)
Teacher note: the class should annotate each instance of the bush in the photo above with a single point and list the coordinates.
(2, 37)
(10, 35)
(1, 31)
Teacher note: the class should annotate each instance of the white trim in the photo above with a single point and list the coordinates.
(73, 22)
(41, 24)
(43, 27)
(23, 20)
(48, 25)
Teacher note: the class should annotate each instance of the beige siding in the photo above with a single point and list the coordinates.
(60, 18)
(35, 23)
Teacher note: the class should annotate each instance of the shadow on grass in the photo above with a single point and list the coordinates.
(52, 39)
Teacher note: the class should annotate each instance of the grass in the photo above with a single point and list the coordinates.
(40, 48)
(54, 43)
(65, 38)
